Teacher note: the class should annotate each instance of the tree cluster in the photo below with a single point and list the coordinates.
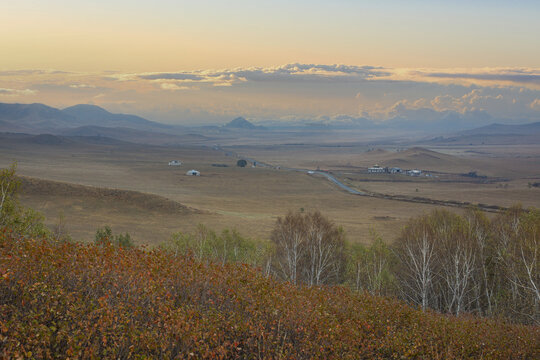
(457, 264)
(228, 247)
(241, 163)
(309, 249)
(441, 261)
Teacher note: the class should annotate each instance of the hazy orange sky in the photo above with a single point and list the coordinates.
(206, 61)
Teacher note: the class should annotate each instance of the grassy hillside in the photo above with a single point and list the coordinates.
(71, 300)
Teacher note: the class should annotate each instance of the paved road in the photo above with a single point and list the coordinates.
(329, 177)
(307, 171)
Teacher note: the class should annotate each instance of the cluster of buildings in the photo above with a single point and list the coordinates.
(377, 169)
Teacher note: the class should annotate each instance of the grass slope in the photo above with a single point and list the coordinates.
(83, 301)
(151, 202)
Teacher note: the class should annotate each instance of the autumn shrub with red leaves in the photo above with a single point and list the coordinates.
(68, 300)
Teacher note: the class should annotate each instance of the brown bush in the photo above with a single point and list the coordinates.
(66, 300)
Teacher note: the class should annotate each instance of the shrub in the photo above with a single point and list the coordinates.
(68, 300)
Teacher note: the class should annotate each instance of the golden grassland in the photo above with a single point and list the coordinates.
(250, 199)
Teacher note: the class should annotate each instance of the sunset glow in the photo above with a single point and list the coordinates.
(273, 60)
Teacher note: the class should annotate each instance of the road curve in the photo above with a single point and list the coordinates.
(484, 207)
(331, 178)
(307, 171)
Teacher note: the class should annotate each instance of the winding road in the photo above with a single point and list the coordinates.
(484, 207)
(307, 171)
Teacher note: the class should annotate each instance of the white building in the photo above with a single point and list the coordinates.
(193, 173)
(376, 169)
(175, 163)
(414, 172)
(395, 170)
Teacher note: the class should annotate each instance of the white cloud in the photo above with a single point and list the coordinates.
(290, 72)
(535, 105)
(302, 91)
(512, 75)
(16, 92)
(82, 86)
(173, 87)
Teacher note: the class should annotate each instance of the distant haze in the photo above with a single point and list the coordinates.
(208, 62)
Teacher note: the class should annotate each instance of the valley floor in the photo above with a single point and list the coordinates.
(250, 199)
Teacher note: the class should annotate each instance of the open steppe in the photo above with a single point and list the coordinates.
(114, 183)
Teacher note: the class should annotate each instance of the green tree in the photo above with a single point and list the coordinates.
(104, 236)
(370, 268)
(241, 163)
(227, 247)
(24, 221)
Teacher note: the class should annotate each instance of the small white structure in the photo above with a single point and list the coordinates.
(311, 172)
(376, 169)
(175, 163)
(414, 172)
(395, 170)
(193, 173)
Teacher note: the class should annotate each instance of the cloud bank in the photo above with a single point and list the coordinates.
(300, 92)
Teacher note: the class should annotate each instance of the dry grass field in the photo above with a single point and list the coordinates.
(248, 199)
(504, 172)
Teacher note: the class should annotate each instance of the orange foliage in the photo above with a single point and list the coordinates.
(84, 301)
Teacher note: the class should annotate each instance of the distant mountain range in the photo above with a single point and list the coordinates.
(94, 121)
(97, 116)
(494, 134)
(502, 129)
(39, 119)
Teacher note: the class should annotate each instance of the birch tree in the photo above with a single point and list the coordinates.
(523, 265)
(416, 251)
(370, 267)
(289, 238)
(309, 249)
(324, 251)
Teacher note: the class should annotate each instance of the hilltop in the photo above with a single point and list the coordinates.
(420, 158)
(494, 134)
(241, 123)
(38, 118)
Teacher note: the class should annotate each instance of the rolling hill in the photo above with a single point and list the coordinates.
(134, 135)
(503, 129)
(494, 134)
(97, 116)
(39, 119)
(423, 159)
(145, 201)
(34, 118)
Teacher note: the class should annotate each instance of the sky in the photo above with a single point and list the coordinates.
(207, 61)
